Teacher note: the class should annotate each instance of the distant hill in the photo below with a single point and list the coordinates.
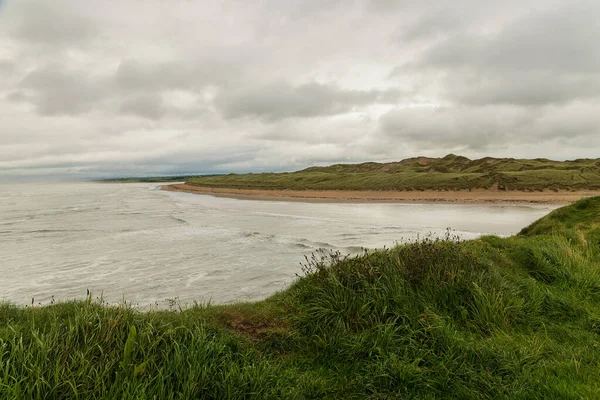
(150, 179)
(451, 172)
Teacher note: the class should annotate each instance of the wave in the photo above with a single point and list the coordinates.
(290, 216)
(250, 234)
(302, 246)
(181, 220)
(15, 221)
(55, 231)
(302, 243)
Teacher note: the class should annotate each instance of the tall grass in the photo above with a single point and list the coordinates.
(514, 317)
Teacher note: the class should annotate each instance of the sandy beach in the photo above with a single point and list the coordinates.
(467, 197)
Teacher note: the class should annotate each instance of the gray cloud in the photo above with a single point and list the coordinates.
(51, 23)
(540, 58)
(6, 66)
(432, 25)
(192, 74)
(133, 75)
(281, 100)
(150, 106)
(487, 127)
(462, 126)
(559, 40)
(56, 91)
(525, 88)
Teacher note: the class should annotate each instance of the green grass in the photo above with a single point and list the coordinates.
(508, 318)
(447, 173)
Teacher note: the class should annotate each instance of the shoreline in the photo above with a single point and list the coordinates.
(478, 196)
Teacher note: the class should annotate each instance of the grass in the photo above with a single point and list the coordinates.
(448, 173)
(491, 318)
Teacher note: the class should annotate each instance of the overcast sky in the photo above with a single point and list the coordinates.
(145, 87)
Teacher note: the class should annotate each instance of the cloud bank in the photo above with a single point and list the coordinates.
(149, 87)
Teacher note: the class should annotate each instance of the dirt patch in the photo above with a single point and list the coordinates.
(424, 161)
(255, 327)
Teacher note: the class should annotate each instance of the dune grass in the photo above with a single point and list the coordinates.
(515, 317)
(448, 173)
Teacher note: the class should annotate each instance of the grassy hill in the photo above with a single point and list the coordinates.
(448, 173)
(490, 318)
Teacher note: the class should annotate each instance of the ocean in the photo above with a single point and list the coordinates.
(135, 243)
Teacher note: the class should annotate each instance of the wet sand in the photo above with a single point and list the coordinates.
(479, 196)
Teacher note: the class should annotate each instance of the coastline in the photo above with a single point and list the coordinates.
(479, 196)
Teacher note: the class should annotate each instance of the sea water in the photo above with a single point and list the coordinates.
(136, 243)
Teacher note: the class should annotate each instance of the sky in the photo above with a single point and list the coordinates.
(157, 87)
